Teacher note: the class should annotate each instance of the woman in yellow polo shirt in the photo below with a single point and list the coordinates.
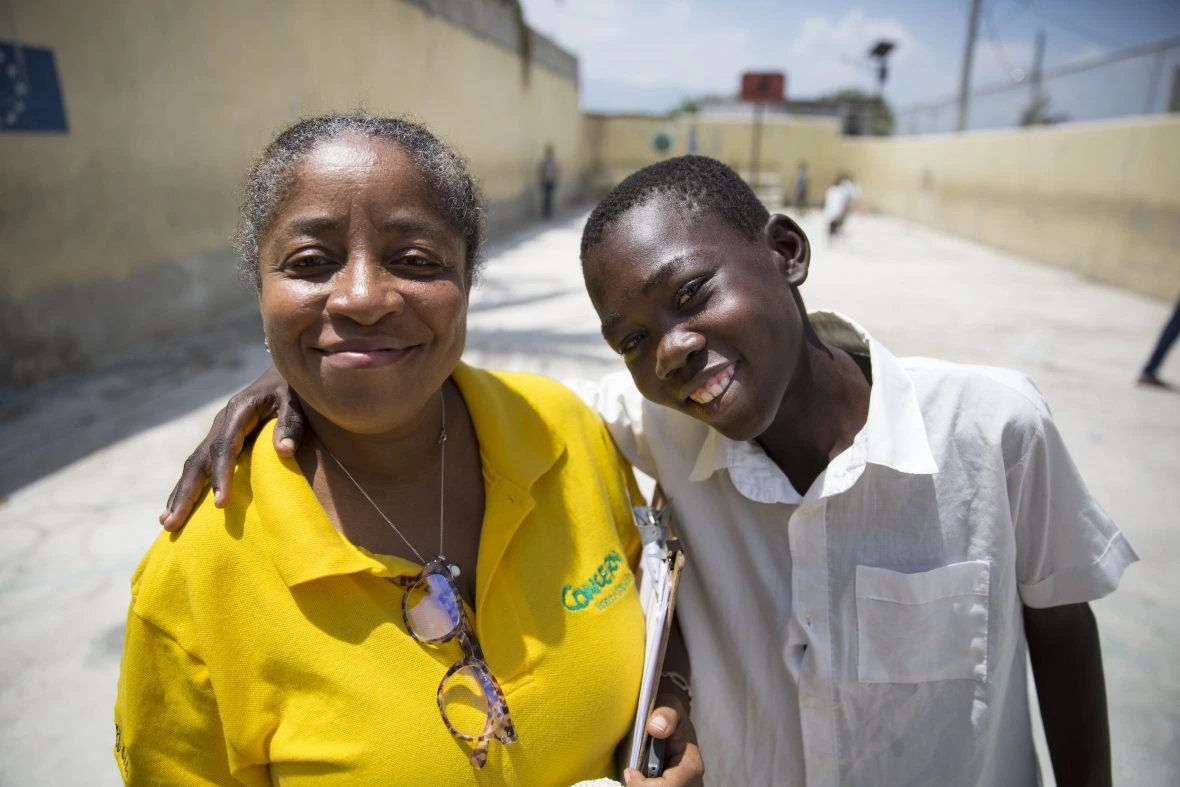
(437, 588)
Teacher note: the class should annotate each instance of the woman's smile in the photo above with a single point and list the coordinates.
(367, 353)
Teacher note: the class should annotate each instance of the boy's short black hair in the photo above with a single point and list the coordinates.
(698, 184)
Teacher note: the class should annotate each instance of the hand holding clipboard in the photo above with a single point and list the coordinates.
(660, 566)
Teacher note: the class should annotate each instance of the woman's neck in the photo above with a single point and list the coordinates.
(826, 404)
(400, 454)
(398, 478)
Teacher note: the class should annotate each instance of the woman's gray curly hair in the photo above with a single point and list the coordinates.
(270, 178)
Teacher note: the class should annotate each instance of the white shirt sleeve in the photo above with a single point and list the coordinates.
(1068, 550)
(620, 405)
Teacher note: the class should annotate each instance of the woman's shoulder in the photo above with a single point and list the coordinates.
(548, 398)
(519, 409)
(198, 557)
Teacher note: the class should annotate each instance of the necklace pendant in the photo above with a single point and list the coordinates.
(454, 570)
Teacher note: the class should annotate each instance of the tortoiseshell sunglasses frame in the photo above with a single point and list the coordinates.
(499, 726)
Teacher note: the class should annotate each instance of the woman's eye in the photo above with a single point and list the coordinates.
(306, 264)
(686, 293)
(419, 263)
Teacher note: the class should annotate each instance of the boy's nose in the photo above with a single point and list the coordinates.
(676, 349)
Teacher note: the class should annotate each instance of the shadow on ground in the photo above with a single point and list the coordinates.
(51, 425)
(48, 426)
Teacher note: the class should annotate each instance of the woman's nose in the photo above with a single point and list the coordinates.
(365, 292)
(676, 349)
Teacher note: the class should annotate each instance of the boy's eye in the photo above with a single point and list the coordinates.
(686, 293)
(629, 343)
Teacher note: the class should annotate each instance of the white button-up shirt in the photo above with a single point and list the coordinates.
(868, 630)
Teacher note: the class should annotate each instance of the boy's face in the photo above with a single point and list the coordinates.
(704, 318)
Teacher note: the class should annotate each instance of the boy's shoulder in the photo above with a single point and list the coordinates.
(978, 404)
(977, 385)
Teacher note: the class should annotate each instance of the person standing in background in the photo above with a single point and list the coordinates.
(548, 181)
(802, 180)
(835, 206)
(838, 202)
(1150, 373)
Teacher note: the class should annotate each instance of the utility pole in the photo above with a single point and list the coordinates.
(756, 143)
(1155, 81)
(1037, 115)
(965, 78)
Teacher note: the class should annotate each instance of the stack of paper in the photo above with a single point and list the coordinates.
(659, 575)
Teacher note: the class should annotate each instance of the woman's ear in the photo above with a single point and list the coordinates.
(788, 241)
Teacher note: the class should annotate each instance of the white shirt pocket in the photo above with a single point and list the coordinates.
(914, 628)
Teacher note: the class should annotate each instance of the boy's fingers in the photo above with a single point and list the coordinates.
(175, 518)
(289, 430)
(665, 718)
(688, 768)
(663, 722)
(631, 777)
(166, 517)
(225, 442)
(683, 766)
(185, 493)
(212, 464)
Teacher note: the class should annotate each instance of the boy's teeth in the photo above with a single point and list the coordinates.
(708, 394)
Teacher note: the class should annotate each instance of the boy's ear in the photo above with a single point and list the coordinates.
(789, 242)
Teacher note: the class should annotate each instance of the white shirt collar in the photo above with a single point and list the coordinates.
(894, 435)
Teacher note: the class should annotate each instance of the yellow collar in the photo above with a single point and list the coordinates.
(517, 446)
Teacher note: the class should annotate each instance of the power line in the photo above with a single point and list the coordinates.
(1065, 69)
(990, 25)
(1069, 25)
(1015, 12)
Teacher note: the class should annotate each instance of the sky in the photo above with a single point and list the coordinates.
(648, 55)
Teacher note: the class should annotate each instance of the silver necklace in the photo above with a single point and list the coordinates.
(442, 470)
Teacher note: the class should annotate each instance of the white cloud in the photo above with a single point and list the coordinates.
(826, 54)
(689, 48)
(660, 42)
(1006, 61)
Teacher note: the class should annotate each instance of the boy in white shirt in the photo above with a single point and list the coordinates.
(874, 543)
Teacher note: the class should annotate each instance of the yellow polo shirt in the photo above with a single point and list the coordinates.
(263, 647)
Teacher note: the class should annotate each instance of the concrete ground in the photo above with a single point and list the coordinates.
(90, 460)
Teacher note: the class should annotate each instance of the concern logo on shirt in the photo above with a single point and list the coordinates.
(602, 588)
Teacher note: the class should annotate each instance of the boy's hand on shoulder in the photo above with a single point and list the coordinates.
(213, 461)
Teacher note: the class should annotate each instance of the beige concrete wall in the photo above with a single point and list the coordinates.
(623, 143)
(1099, 198)
(117, 229)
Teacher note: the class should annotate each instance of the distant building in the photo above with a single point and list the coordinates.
(858, 115)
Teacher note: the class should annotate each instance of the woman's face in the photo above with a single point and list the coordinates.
(363, 292)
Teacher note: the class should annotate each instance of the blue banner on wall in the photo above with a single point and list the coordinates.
(30, 94)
